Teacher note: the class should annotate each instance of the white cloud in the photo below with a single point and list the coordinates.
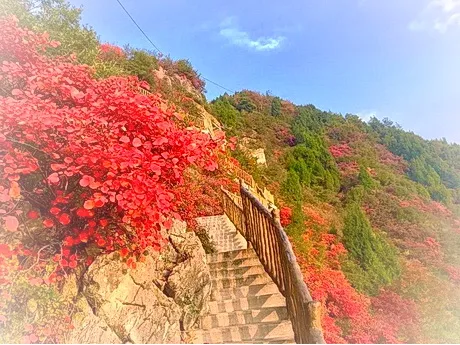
(366, 115)
(230, 31)
(438, 15)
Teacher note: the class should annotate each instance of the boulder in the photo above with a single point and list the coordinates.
(130, 303)
(88, 328)
(164, 295)
(189, 283)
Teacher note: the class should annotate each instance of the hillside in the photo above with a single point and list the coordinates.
(373, 212)
(102, 147)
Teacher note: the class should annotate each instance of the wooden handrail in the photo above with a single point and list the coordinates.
(233, 206)
(263, 230)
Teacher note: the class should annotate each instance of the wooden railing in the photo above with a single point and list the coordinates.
(233, 207)
(263, 230)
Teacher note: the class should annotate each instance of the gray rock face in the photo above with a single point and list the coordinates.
(189, 283)
(130, 303)
(90, 329)
(153, 303)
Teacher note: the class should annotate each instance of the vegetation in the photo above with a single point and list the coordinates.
(375, 260)
(88, 166)
(373, 211)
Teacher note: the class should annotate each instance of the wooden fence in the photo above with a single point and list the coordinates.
(233, 207)
(263, 230)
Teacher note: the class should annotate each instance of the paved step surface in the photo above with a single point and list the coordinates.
(246, 305)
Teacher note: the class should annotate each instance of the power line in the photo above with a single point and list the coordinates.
(222, 87)
(158, 50)
(147, 37)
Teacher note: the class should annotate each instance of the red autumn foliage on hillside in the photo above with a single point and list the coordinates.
(340, 150)
(84, 162)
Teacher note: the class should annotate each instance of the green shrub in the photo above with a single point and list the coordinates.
(141, 63)
(276, 106)
(226, 113)
(291, 188)
(374, 260)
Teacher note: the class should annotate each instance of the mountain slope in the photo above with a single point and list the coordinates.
(373, 212)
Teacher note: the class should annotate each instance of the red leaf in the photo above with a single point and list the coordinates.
(48, 223)
(124, 252)
(68, 241)
(55, 211)
(137, 142)
(86, 180)
(83, 236)
(16, 92)
(155, 168)
(76, 94)
(32, 214)
(83, 213)
(53, 178)
(89, 204)
(5, 250)
(64, 219)
(160, 141)
(124, 139)
(11, 223)
(72, 264)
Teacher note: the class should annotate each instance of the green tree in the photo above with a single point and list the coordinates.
(276, 106)
(246, 104)
(141, 63)
(365, 179)
(226, 113)
(291, 188)
(374, 260)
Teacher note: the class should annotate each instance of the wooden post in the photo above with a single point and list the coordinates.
(314, 315)
(276, 215)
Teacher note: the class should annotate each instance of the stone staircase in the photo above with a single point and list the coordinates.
(245, 306)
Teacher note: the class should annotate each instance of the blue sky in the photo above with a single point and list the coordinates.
(394, 58)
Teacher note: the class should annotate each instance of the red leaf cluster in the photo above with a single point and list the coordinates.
(285, 216)
(340, 150)
(111, 52)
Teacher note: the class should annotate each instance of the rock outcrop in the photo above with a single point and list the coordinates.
(164, 295)
(189, 283)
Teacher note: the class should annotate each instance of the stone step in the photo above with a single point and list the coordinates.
(237, 272)
(244, 292)
(244, 317)
(263, 332)
(231, 282)
(237, 263)
(249, 303)
(231, 255)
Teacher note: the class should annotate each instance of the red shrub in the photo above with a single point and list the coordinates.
(111, 52)
(285, 216)
(92, 159)
(340, 150)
